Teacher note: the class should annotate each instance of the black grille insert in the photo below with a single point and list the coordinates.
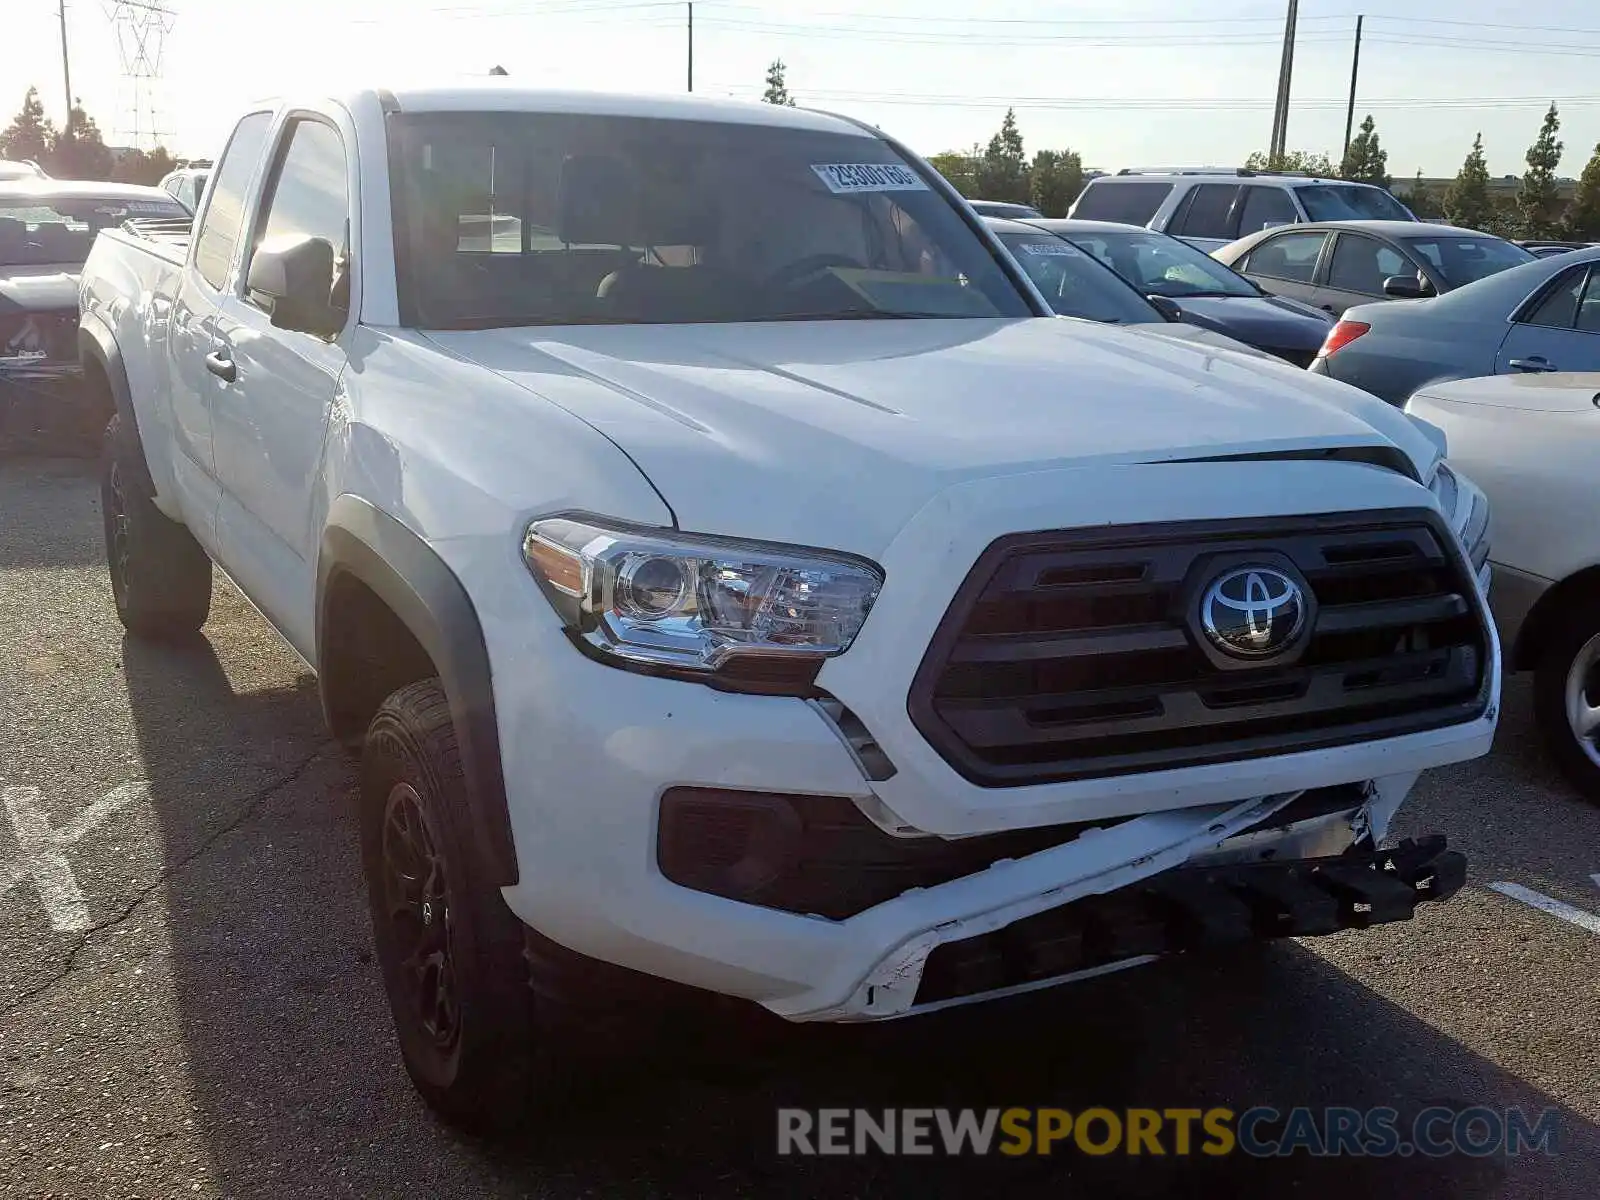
(1074, 654)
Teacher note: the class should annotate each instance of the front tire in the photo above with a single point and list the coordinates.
(450, 949)
(1567, 700)
(160, 576)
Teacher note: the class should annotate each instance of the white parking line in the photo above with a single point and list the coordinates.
(1576, 916)
(41, 850)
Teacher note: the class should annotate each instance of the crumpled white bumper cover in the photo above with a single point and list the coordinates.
(1099, 861)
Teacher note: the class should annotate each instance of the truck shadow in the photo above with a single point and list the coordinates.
(33, 494)
(298, 1086)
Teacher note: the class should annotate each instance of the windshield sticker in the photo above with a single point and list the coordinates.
(844, 178)
(1056, 249)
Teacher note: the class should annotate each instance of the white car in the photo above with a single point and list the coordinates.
(1532, 442)
(1211, 208)
(186, 185)
(732, 573)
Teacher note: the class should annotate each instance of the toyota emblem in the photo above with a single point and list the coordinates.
(1253, 612)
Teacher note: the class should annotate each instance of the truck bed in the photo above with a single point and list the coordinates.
(166, 237)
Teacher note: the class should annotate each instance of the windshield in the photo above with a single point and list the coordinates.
(1462, 260)
(37, 232)
(1076, 285)
(1350, 202)
(1163, 266)
(555, 219)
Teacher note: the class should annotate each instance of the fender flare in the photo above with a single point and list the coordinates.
(362, 541)
(97, 343)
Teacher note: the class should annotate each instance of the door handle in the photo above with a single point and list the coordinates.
(223, 368)
(1535, 364)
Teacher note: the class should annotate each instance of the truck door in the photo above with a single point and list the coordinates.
(279, 385)
(192, 331)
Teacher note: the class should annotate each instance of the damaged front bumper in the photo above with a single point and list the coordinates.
(1292, 865)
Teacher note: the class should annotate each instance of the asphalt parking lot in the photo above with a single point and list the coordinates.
(189, 1006)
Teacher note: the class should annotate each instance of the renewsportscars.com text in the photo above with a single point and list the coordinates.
(1260, 1132)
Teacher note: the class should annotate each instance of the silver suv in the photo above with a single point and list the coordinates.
(1209, 209)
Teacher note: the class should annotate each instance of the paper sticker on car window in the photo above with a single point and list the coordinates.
(844, 178)
(1050, 249)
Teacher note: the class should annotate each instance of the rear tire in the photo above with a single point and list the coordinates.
(1566, 697)
(160, 577)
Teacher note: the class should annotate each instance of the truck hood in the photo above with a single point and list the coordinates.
(785, 430)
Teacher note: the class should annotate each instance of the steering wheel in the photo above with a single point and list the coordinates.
(803, 270)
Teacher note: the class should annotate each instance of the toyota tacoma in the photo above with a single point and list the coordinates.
(730, 574)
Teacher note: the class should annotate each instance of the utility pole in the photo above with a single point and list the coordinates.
(66, 70)
(1280, 111)
(691, 45)
(1350, 110)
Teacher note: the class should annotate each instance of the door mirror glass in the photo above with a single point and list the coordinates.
(289, 278)
(1402, 287)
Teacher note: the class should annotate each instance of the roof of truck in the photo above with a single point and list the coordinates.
(500, 95)
(78, 189)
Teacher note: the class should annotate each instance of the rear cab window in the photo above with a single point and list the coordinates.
(505, 219)
(1132, 202)
(218, 233)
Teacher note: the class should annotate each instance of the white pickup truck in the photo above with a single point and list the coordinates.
(731, 575)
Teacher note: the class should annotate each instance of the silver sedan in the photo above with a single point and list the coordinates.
(1531, 442)
(1540, 317)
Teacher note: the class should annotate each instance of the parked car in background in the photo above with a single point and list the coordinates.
(1077, 285)
(12, 169)
(46, 230)
(1539, 317)
(1003, 208)
(1334, 264)
(1531, 443)
(1209, 209)
(186, 185)
(1545, 249)
(1174, 274)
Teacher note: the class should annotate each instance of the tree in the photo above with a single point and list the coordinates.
(1537, 201)
(1055, 181)
(1423, 202)
(1366, 161)
(961, 169)
(1002, 172)
(1298, 162)
(777, 90)
(30, 135)
(79, 151)
(1582, 221)
(1466, 201)
(138, 167)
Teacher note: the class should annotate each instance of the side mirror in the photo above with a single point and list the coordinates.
(1166, 306)
(1402, 287)
(293, 277)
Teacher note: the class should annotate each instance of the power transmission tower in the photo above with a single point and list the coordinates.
(141, 27)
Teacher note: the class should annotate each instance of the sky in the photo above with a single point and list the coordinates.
(1126, 83)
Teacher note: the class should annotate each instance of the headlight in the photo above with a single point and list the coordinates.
(1467, 509)
(718, 609)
